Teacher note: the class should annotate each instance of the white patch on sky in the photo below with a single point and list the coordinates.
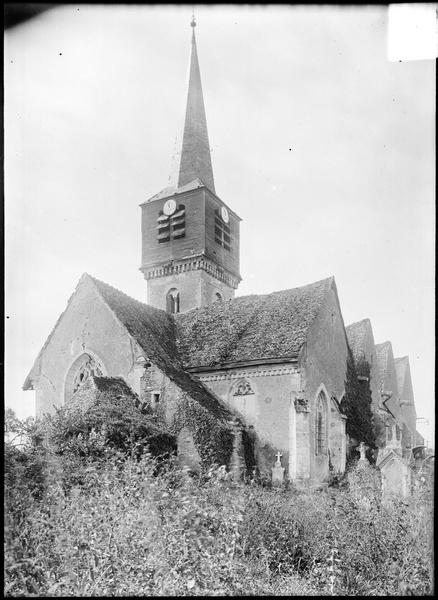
(412, 31)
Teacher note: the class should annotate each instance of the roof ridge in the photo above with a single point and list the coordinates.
(27, 381)
(364, 320)
(298, 287)
(381, 344)
(99, 281)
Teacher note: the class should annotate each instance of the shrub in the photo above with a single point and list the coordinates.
(213, 439)
(123, 526)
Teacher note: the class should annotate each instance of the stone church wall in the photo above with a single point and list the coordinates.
(157, 390)
(325, 363)
(196, 288)
(266, 407)
(87, 326)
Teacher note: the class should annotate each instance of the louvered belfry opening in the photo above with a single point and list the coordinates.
(222, 232)
(171, 227)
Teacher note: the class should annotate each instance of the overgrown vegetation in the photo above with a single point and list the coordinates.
(125, 527)
(213, 439)
(356, 404)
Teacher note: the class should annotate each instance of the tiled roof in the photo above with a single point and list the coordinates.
(387, 376)
(356, 336)
(401, 367)
(153, 329)
(250, 327)
(382, 353)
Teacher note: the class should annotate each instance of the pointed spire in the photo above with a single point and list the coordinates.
(193, 160)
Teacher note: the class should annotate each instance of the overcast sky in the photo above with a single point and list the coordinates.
(321, 145)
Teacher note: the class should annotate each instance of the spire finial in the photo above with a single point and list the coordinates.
(193, 21)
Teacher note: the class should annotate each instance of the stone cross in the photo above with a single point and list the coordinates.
(277, 471)
(362, 450)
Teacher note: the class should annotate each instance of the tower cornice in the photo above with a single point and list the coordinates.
(191, 263)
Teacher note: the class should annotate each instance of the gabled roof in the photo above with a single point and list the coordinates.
(387, 378)
(356, 336)
(401, 367)
(250, 327)
(154, 331)
(383, 353)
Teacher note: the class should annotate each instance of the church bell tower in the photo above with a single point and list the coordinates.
(190, 237)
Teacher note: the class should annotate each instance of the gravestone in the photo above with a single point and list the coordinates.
(362, 449)
(188, 455)
(277, 470)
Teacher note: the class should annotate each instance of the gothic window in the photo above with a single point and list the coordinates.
(321, 425)
(172, 301)
(222, 231)
(79, 372)
(217, 297)
(171, 226)
(243, 388)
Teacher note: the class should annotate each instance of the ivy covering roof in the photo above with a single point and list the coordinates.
(112, 385)
(154, 330)
(249, 328)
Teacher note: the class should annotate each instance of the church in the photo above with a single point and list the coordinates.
(267, 370)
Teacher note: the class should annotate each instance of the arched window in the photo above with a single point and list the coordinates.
(84, 366)
(172, 301)
(217, 297)
(321, 424)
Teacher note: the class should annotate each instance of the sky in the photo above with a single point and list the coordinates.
(321, 144)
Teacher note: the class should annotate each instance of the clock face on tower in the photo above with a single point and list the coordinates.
(224, 215)
(169, 207)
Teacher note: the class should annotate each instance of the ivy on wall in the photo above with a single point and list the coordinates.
(356, 403)
(213, 439)
(108, 405)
